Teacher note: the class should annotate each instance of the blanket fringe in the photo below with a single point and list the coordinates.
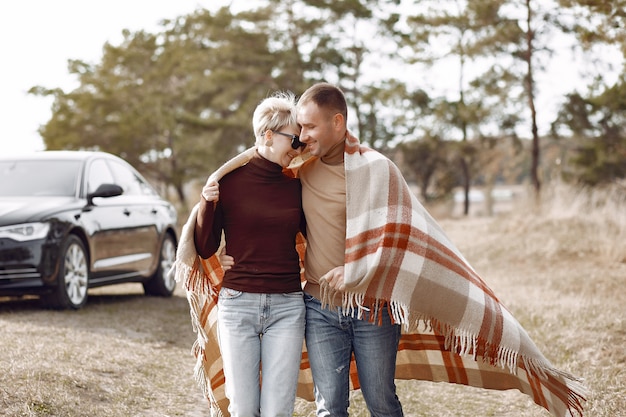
(198, 289)
(195, 309)
(203, 383)
(460, 341)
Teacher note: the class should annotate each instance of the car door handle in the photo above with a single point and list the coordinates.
(127, 212)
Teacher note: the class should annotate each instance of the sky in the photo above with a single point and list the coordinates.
(38, 37)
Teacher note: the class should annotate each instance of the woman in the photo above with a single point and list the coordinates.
(261, 313)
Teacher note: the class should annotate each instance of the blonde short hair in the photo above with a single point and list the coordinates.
(273, 113)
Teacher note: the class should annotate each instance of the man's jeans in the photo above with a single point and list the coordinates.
(257, 329)
(331, 338)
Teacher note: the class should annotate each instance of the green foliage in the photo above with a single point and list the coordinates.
(598, 127)
(177, 103)
(427, 162)
(461, 34)
(390, 113)
(599, 21)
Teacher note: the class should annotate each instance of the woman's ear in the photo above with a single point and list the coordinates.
(268, 138)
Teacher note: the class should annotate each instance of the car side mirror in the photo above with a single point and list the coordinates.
(105, 190)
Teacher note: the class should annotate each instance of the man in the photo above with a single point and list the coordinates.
(333, 335)
(375, 259)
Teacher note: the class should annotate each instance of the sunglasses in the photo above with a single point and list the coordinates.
(295, 140)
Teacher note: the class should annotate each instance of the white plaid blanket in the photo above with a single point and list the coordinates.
(454, 327)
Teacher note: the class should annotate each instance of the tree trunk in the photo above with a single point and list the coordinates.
(466, 185)
(530, 84)
(181, 196)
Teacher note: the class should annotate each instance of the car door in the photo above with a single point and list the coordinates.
(140, 234)
(106, 223)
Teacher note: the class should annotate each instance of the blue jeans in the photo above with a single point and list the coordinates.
(331, 339)
(257, 330)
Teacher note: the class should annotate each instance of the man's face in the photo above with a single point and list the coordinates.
(320, 129)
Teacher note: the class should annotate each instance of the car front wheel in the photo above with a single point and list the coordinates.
(162, 283)
(73, 279)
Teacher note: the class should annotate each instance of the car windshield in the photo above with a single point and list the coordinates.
(35, 178)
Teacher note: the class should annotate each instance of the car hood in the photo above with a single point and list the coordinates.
(15, 210)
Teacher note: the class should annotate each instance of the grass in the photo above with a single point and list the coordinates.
(560, 269)
(123, 355)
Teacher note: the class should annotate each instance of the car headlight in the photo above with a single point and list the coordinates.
(25, 231)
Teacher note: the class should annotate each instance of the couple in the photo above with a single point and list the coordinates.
(374, 259)
(261, 305)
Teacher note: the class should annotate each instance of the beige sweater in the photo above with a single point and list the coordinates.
(324, 203)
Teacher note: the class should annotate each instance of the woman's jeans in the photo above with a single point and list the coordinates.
(257, 329)
(331, 338)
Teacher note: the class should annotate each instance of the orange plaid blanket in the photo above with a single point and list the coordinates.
(454, 327)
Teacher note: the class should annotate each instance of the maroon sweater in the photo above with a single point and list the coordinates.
(260, 212)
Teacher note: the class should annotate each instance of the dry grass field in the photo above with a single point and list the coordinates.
(560, 269)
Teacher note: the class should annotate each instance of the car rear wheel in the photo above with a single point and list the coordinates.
(162, 283)
(73, 279)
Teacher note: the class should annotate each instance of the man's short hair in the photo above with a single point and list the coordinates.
(326, 96)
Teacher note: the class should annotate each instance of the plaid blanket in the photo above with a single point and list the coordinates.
(454, 327)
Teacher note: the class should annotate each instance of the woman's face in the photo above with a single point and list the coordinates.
(281, 151)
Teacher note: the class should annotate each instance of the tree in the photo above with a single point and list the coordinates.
(391, 114)
(175, 103)
(427, 163)
(179, 102)
(462, 31)
(339, 49)
(598, 21)
(594, 119)
(598, 125)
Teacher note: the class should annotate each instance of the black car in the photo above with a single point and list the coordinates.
(73, 220)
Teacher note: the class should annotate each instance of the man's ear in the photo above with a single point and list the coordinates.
(338, 122)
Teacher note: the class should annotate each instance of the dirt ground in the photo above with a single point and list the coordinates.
(126, 354)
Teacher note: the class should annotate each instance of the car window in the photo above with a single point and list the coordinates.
(99, 173)
(129, 180)
(36, 178)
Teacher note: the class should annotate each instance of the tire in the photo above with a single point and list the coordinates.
(162, 283)
(73, 278)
